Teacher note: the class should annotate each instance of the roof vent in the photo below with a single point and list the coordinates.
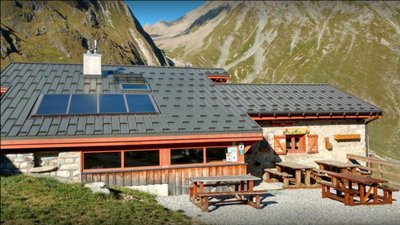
(92, 61)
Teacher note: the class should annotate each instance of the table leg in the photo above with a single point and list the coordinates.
(375, 187)
(241, 186)
(194, 197)
(361, 188)
(201, 191)
(298, 178)
(307, 179)
(250, 185)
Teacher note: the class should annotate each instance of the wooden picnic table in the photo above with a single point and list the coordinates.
(297, 168)
(244, 185)
(367, 189)
(336, 166)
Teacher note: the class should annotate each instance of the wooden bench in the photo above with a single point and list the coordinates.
(285, 176)
(204, 197)
(348, 193)
(387, 193)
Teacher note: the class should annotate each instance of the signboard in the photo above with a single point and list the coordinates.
(231, 155)
(296, 131)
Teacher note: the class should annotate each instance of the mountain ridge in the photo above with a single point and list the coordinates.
(59, 31)
(354, 46)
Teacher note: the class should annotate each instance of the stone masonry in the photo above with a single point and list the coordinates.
(67, 163)
(263, 156)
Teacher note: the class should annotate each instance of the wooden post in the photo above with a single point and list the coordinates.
(307, 179)
(298, 178)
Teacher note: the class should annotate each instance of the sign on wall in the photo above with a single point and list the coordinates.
(296, 131)
(231, 155)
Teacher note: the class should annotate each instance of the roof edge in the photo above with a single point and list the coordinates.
(10, 144)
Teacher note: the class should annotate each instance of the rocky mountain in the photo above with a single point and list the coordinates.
(353, 45)
(59, 31)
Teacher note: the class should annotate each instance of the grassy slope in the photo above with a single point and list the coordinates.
(29, 200)
(349, 55)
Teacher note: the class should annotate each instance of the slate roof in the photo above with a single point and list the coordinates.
(189, 102)
(294, 99)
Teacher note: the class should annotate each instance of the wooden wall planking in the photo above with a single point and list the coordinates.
(174, 177)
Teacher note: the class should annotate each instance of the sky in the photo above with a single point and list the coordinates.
(150, 12)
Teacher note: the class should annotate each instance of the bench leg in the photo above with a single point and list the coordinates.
(205, 204)
(267, 177)
(257, 201)
(285, 182)
(191, 194)
(387, 196)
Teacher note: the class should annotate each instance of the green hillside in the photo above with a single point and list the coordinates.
(354, 46)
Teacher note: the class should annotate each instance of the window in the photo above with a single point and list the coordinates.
(295, 143)
(215, 154)
(141, 158)
(134, 87)
(102, 160)
(187, 156)
(114, 159)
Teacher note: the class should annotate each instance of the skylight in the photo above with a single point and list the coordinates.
(134, 87)
(93, 104)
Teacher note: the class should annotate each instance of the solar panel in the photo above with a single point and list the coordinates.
(56, 104)
(140, 104)
(83, 104)
(112, 103)
(89, 104)
(134, 87)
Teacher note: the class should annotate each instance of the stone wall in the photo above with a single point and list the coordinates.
(263, 156)
(66, 164)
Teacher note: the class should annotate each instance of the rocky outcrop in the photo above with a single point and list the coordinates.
(98, 187)
(59, 31)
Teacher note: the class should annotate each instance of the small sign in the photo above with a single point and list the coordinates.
(232, 151)
(296, 131)
(241, 148)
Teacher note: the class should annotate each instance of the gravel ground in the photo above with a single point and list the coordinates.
(290, 207)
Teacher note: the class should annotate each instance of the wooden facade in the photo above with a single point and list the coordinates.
(175, 177)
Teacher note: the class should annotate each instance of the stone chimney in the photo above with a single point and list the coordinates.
(92, 62)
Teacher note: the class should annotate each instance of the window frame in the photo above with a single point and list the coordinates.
(135, 90)
(161, 164)
(122, 166)
(302, 143)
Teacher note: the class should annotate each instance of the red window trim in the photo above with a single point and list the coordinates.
(160, 166)
(302, 144)
(122, 159)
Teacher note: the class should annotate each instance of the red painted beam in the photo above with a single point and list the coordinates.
(122, 141)
(311, 117)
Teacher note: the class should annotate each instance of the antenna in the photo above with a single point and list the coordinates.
(88, 45)
(95, 47)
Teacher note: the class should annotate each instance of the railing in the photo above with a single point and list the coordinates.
(387, 169)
